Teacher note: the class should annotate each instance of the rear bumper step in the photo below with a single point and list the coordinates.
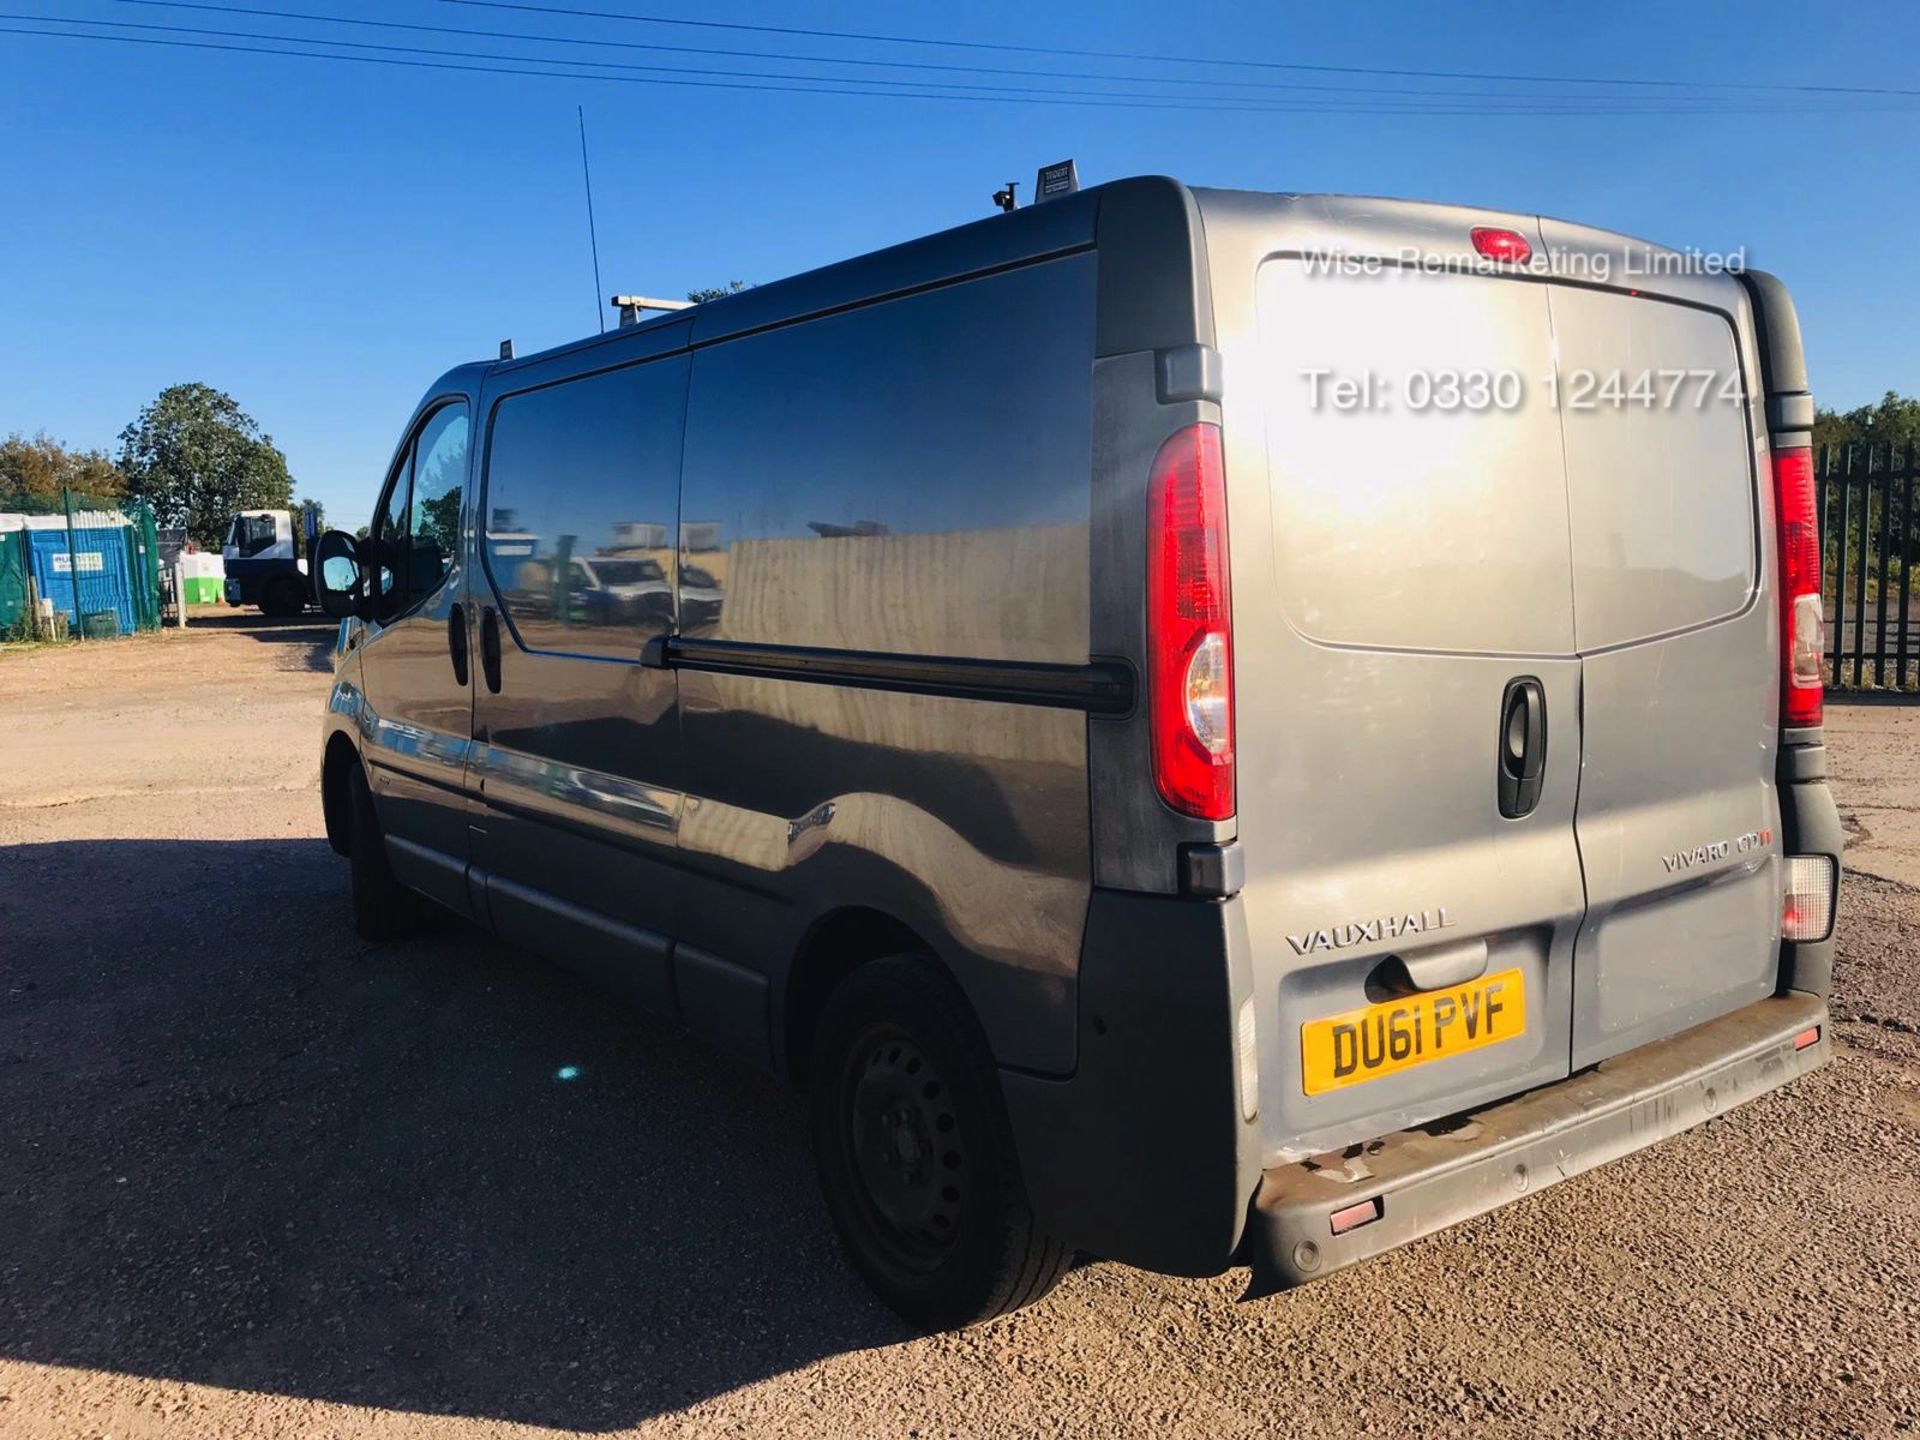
(1419, 1181)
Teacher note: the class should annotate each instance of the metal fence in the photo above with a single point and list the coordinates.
(76, 565)
(1866, 498)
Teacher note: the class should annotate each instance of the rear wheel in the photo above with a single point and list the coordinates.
(915, 1152)
(383, 908)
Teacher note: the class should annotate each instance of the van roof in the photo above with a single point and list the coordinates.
(1056, 227)
(993, 242)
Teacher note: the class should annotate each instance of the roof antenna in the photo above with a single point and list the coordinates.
(593, 236)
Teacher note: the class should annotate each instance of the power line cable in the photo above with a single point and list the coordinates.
(790, 83)
(784, 83)
(574, 74)
(600, 42)
(525, 5)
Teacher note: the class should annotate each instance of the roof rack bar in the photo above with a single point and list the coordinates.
(630, 307)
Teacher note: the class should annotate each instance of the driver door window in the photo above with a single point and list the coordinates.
(390, 540)
(439, 472)
(417, 532)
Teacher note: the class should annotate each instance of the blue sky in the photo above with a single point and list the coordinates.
(321, 240)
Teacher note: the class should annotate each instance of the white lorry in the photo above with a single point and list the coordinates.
(263, 565)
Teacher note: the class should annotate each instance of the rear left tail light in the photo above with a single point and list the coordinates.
(1189, 625)
(1803, 625)
(1806, 911)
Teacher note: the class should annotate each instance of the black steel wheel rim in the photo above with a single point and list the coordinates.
(904, 1146)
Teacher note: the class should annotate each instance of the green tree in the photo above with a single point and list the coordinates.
(716, 292)
(34, 471)
(440, 521)
(300, 524)
(1894, 422)
(198, 458)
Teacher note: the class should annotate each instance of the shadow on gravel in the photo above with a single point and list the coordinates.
(243, 1148)
(314, 631)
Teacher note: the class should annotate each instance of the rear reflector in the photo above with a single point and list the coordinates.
(1249, 1061)
(1803, 623)
(1808, 1036)
(1508, 246)
(1354, 1216)
(1190, 625)
(1806, 910)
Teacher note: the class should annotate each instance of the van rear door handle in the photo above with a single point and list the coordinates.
(490, 648)
(457, 643)
(1522, 740)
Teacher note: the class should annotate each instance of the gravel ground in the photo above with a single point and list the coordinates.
(258, 1178)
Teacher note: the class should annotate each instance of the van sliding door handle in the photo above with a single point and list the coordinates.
(490, 648)
(1522, 764)
(457, 643)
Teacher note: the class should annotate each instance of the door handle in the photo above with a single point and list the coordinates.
(1523, 746)
(490, 648)
(457, 643)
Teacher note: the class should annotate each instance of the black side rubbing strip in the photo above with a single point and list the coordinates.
(1103, 687)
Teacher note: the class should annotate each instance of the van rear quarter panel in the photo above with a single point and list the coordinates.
(910, 477)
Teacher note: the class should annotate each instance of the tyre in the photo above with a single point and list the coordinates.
(383, 908)
(915, 1153)
(282, 598)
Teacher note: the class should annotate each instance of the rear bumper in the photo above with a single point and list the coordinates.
(1425, 1179)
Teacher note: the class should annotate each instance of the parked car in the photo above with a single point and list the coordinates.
(1154, 807)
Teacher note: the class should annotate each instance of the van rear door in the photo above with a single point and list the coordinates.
(1403, 612)
(1677, 810)
(1448, 488)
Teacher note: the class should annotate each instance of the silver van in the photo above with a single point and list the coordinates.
(1202, 728)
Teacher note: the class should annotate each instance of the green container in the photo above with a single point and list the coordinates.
(100, 625)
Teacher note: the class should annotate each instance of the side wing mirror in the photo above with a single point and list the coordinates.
(339, 579)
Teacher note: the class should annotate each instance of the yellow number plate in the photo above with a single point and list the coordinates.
(1383, 1039)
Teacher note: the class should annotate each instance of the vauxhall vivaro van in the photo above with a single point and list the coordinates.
(1203, 728)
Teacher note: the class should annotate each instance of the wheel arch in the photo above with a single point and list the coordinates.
(335, 799)
(835, 945)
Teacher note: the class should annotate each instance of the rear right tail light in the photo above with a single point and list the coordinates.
(1806, 911)
(1189, 625)
(1803, 626)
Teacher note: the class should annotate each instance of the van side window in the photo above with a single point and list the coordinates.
(389, 538)
(581, 508)
(907, 478)
(416, 535)
(439, 473)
